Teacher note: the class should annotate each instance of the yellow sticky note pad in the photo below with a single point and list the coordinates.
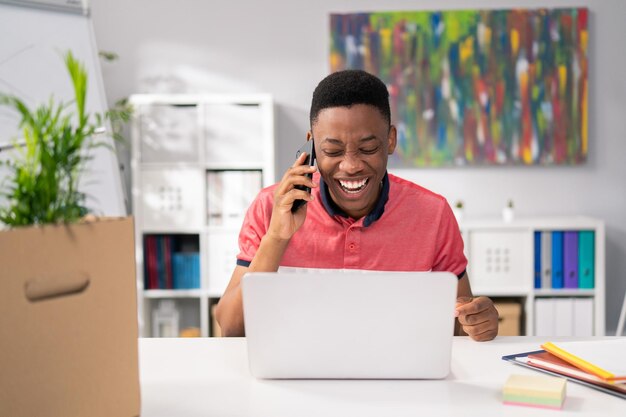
(535, 391)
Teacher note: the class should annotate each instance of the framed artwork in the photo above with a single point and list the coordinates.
(476, 87)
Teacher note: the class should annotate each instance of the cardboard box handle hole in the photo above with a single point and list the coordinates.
(39, 289)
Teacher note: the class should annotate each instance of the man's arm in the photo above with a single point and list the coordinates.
(283, 225)
(476, 317)
(229, 311)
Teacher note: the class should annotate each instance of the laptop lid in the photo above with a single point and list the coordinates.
(388, 325)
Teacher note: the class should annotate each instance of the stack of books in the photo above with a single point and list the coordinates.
(168, 267)
(598, 364)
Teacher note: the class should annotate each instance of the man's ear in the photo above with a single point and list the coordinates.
(392, 137)
(309, 135)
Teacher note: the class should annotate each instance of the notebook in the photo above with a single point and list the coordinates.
(604, 358)
(349, 325)
(546, 360)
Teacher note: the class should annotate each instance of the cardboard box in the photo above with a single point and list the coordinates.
(509, 320)
(68, 320)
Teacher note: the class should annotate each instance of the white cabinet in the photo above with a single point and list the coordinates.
(508, 260)
(198, 161)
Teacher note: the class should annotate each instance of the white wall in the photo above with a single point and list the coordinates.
(281, 47)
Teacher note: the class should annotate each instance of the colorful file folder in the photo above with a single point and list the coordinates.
(570, 259)
(557, 259)
(537, 259)
(546, 259)
(564, 259)
(586, 265)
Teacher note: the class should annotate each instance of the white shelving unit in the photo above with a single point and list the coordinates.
(501, 263)
(197, 162)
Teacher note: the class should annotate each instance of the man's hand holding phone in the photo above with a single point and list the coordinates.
(291, 190)
(283, 225)
(309, 159)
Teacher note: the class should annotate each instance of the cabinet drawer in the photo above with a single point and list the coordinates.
(169, 199)
(498, 259)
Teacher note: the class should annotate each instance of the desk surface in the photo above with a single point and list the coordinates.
(209, 377)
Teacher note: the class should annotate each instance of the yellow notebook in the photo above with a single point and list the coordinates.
(605, 358)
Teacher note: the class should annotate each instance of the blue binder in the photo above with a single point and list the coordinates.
(557, 259)
(537, 259)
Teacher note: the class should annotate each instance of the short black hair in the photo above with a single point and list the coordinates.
(347, 88)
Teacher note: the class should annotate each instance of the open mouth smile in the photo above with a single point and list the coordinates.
(353, 187)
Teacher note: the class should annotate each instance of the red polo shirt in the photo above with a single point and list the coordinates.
(409, 229)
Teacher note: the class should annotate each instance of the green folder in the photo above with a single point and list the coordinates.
(586, 261)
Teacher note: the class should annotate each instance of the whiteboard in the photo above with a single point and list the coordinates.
(33, 41)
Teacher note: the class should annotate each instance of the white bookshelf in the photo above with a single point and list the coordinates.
(188, 150)
(515, 274)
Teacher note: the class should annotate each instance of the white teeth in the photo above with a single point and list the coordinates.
(353, 186)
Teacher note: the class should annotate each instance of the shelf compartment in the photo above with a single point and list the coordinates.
(229, 194)
(169, 199)
(497, 259)
(169, 133)
(564, 316)
(171, 262)
(231, 133)
(172, 316)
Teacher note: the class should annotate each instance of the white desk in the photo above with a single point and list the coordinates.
(209, 377)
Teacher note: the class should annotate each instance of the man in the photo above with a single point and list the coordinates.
(357, 215)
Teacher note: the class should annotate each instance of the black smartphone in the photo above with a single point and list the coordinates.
(310, 160)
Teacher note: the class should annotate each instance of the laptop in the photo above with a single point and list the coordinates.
(349, 325)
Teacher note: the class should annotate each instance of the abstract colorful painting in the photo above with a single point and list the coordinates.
(476, 87)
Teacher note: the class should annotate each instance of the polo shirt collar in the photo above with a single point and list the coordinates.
(333, 210)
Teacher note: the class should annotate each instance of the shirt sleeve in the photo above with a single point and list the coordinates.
(449, 254)
(254, 227)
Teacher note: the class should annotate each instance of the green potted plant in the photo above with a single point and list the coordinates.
(45, 171)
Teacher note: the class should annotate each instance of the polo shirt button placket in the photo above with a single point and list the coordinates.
(351, 245)
(352, 249)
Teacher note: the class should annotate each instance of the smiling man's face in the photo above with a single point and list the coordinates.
(352, 145)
